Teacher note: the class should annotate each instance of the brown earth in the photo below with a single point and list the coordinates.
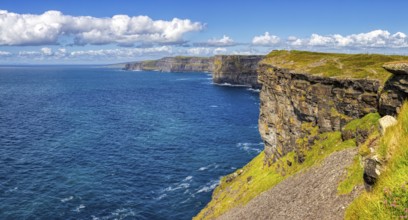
(308, 195)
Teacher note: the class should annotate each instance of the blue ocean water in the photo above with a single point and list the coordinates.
(100, 143)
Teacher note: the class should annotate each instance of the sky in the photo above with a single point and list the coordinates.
(114, 31)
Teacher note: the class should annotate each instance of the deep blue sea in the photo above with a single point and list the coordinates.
(100, 143)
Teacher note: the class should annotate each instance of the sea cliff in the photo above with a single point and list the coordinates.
(312, 106)
(303, 89)
(174, 64)
(226, 69)
(237, 69)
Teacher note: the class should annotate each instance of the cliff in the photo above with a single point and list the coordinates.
(312, 105)
(237, 69)
(174, 64)
(302, 90)
(229, 69)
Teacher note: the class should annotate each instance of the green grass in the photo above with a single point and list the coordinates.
(389, 198)
(369, 125)
(334, 64)
(354, 177)
(256, 177)
(368, 122)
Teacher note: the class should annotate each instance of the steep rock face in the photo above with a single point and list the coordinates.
(238, 69)
(175, 64)
(294, 103)
(396, 88)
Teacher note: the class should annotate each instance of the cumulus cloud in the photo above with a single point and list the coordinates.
(265, 40)
(49, 27)
(203, 51)
(225, 41)
(376, 39)
(372, 39)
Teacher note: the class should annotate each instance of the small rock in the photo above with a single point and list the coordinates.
(385, 122)
(249, 178)
(231, 177)
(370, 175)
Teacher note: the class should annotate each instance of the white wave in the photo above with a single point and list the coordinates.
(79, 208)
(254, 90)
(213, 106)
(203, 168)
(213, 165)
(67, 199)
(250, 147)
(188, 178)
(118, 214)
(230, 85)
(179, 186)
(161, 196)
(123, 213)
(209, 186)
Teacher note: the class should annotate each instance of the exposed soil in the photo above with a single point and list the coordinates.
(308, 195)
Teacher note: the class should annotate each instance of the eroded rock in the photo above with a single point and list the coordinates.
(290, 99)
(237, 69)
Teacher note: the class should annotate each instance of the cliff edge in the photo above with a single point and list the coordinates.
(237, 70)
(314, 105)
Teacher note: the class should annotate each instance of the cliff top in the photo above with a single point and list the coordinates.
(334, 64)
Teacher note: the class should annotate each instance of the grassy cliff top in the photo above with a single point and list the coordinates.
(357, 66)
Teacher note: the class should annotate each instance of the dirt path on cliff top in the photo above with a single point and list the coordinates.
(307, 195)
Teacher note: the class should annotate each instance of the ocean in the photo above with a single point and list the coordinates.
(81, 142)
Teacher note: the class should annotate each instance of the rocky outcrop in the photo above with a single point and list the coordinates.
(396, 88)
(237, 69)
(174, 64)
(292, 104)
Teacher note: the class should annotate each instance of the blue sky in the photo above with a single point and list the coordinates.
(109, 31)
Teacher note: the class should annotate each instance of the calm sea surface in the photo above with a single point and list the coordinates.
(100, 143)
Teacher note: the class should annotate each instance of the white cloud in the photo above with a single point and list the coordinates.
(5, 53)
(46, 51)
(376, 39)
(220, 50)
(203, 51)
(49, 27)
(265, 40)
(372, 39)
(225, 41)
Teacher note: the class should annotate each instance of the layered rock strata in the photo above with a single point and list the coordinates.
(292, 104)
(396, 88)
(237, 69)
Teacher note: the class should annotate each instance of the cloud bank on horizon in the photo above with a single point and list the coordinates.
(55, 37)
